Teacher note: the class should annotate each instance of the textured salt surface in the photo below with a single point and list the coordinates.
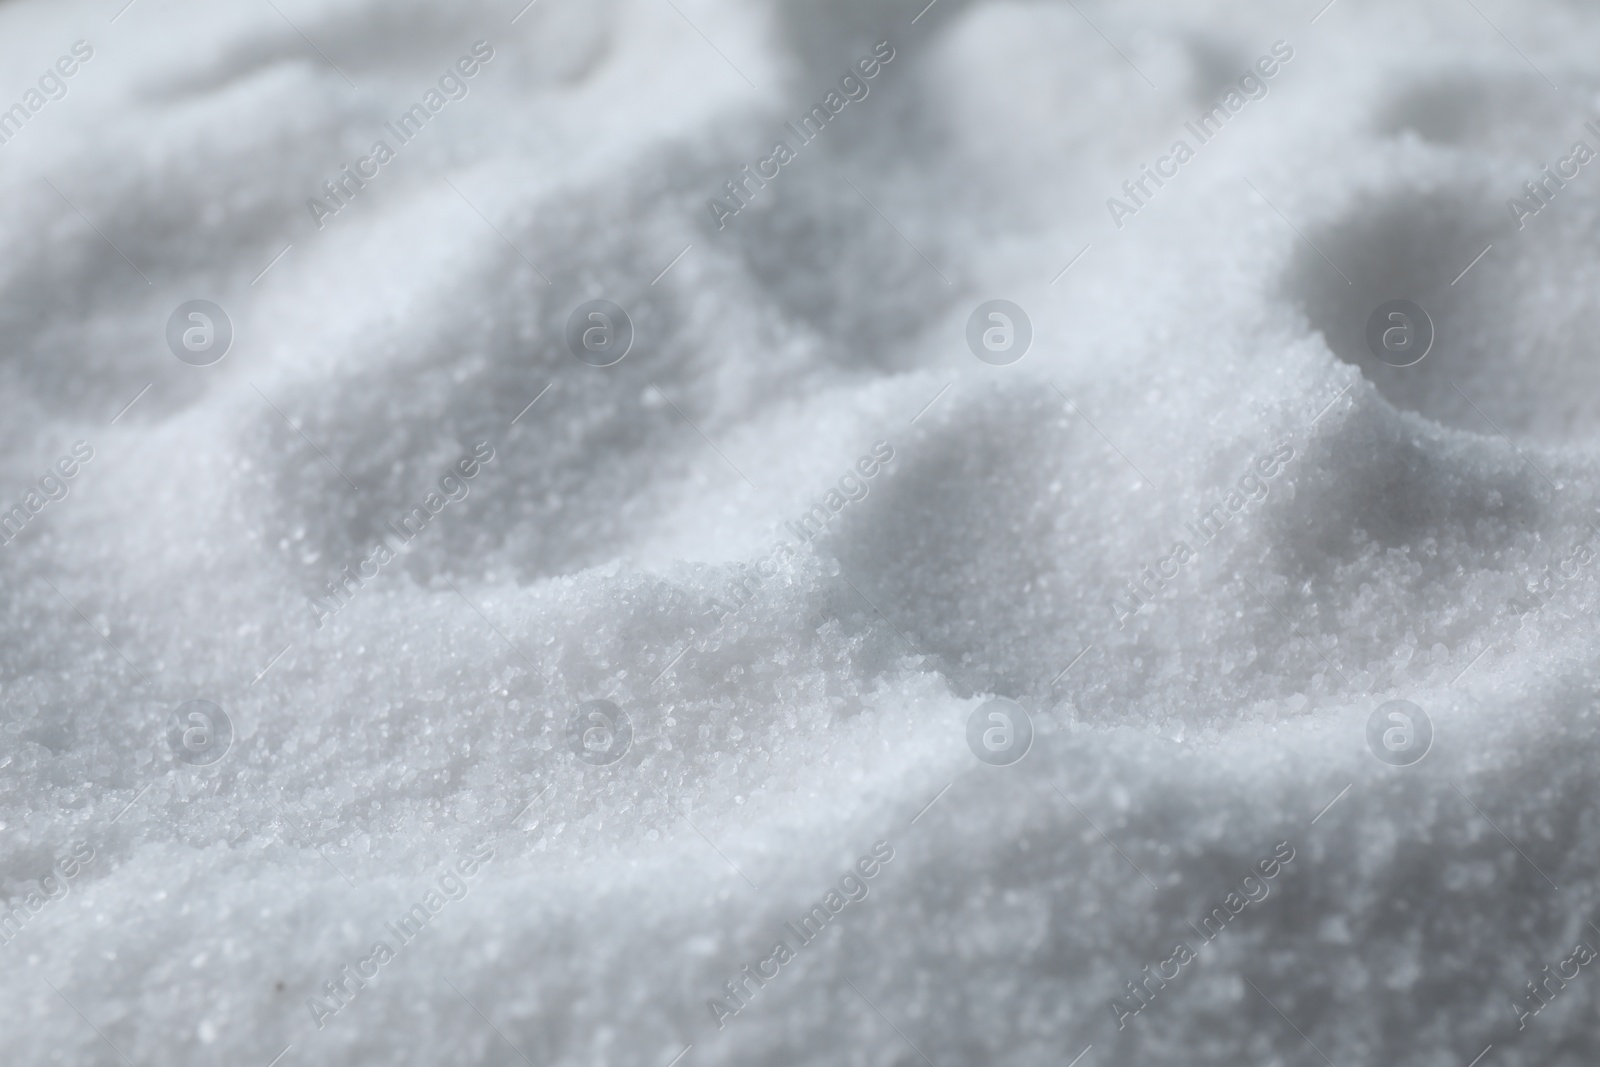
(417, 742)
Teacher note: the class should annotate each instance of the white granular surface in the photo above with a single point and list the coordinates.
(1427, 534)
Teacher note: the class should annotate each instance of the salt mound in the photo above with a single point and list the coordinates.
(545, 761)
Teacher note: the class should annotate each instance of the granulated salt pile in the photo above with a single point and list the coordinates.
(694, 532)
